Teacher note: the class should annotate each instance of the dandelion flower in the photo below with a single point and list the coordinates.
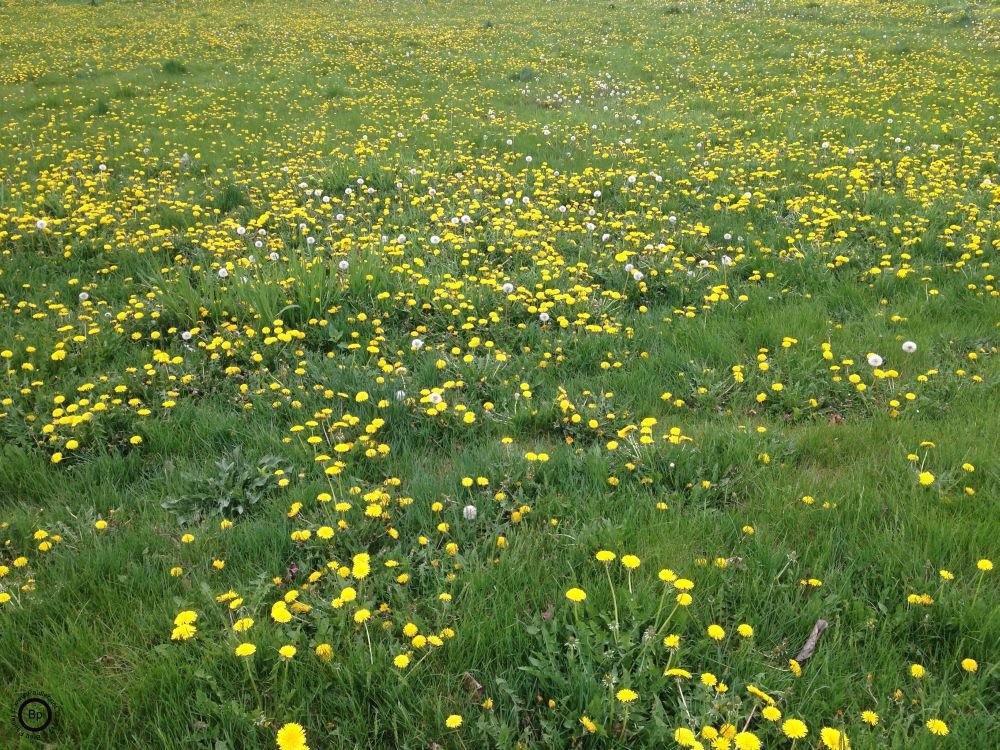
(246, 649)
(794, 729)
(938, 727)
(746, 741)
(292, 737)
(183, 632)
(834, 739)
(684, 737)
(280, 613)
(243, 624)
(631, 562)
(625, 695)
(453, 722)
(754, 690)
(361, 565)
(576, 595)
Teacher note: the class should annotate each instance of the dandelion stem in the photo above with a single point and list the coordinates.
(614, 601)
(659, 608)
(253, 684)
(611, 717)
(667, 621)
(684, 702)
(975, 594)
(415, 664)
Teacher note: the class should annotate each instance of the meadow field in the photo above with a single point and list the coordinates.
(500, 374)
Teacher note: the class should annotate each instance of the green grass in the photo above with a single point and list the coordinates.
(832, 174)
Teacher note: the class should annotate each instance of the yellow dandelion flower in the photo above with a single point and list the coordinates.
(747, 741)
(292, 737)
(794, 729)
(938, 727)
(834, 739)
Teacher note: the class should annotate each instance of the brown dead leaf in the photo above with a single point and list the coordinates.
(812, 641)
(472, 686)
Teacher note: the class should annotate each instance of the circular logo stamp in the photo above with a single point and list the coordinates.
(34, 712)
